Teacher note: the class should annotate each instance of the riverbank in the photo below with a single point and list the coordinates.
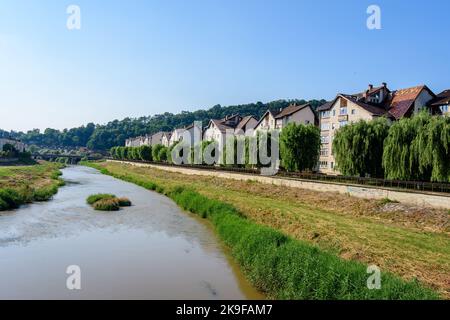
(271, 240)
(26, 184)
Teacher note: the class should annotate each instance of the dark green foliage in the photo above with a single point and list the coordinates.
(358, 148)
(418, 149)
(280, 266)
(300, 147)
(145, 153)
(96, 197)
(124, 202)
(45, 194)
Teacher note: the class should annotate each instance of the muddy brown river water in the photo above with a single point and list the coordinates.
(152, 250)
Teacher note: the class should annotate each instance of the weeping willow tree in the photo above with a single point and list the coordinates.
(358, 148)
(300, 147)
(418, 149)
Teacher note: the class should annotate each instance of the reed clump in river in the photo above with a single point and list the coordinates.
(107, 202)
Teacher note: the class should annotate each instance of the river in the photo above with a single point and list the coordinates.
(152, 250)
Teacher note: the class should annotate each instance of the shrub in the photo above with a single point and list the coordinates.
(108, 204)
(96, 197)
(44, 194)
(124, 202)
(145, 153)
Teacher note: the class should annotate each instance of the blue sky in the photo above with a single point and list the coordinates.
(142, 57)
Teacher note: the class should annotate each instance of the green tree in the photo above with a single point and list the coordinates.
(145, 153)
(358, 148)
(417, 148)
(156, 152)
(300, 147)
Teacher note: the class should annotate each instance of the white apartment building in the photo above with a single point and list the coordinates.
(370, 104)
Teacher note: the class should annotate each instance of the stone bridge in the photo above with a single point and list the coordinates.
(72, 159)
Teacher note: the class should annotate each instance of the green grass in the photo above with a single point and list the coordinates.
(25, 184)
(97, 197)
(278, 265)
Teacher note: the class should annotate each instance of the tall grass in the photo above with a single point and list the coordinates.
(282, 267)
(97, 197)
(13, 198)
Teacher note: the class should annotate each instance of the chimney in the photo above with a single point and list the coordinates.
(384, 84)
(370, 86)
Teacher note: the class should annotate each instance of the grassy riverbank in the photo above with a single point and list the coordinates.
(285, 265)
(25, 184)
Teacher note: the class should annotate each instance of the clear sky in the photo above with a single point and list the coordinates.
(143, 57)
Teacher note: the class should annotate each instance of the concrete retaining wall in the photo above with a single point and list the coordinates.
(428, 199)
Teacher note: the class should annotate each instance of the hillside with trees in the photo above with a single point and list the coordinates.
(114, 133)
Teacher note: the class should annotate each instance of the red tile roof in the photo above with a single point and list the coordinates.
(403, 100)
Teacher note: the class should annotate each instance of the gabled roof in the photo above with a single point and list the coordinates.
(442, 98)
(325, 106)
(244, 122)
(372, 109)
(291, 110)
(220, 125)
(403, 100)
(273, 113)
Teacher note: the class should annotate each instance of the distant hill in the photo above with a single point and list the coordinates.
(114, 133)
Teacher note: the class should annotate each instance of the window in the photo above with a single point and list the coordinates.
(444, 109)
(334, 112)
(325, 114)
(343, 111)
(325, 139)
(333, 126)
(353, 111)
(324, 152)
(325, 126)
(323, 164)
(343, 123)
(332, 165)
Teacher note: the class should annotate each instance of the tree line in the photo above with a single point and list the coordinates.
(416, 148)
(114, 133)
(299, 150)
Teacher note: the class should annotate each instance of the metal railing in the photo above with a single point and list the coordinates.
(418, 186)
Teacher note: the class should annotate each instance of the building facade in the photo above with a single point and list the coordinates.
(367, 105)
(235, 125)
(442, 101)
(17, 144)
(277, 120)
